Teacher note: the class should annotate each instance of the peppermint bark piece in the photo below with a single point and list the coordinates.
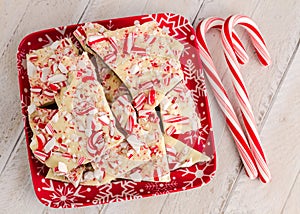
(83, 175)
(120, 160)
(112, 85)
(84, 126)
(125, 156)
(135, 134)
(157, 168)
(127, 47)
(179, 112)
(38, 119)
(150, 78)
(143, 135)
(181, 155)
(45, 74)
(139, 40)
(94, 176)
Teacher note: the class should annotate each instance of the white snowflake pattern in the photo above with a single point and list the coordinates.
(160, 188)
(63, 195)
(21, 64)
(189, 69)
(59, 37)
(197, 174)
(186, 50)
(41, 168)
(179, 24)
(110, 25)
(196, 137)
(190, 72)
(117, 191)
(200, 83)
(61, 30)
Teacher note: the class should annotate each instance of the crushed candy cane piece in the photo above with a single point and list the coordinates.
(40, 155)
(50, 145)
(62, 167)
(151, 97)
(170, 130)
(139, 101)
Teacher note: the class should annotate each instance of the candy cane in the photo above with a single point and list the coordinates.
(221, 94)
(239, 86)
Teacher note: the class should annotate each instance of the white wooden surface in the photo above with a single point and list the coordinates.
(274, 94)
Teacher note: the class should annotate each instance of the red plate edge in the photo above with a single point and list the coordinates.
(58, 194)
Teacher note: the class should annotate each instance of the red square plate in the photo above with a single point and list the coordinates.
(58, 194)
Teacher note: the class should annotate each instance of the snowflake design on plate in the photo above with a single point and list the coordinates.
(176, 25)
(117, 191)
(197, 173)
(41, 169)
(160, 188)
(110, 25)
(62, 195)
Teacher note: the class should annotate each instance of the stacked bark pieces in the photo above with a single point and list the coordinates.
(106, 126)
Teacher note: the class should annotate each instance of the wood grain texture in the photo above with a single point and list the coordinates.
(101, 9)
(9, 22)
(280, 135)
(276, 113)
(15, 184)
(292, 203)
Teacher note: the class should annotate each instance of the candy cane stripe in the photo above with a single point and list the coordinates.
(221, 95)
(239, 86)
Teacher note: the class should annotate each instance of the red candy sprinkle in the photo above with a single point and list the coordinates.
(151, 97)
(139, 101)
(54, 87)
(40, 155)
(110, 58)
(128, 43)
(117, 137)
(175, 119)
(41, 139)
(33, 58)
(130, 124)
(80, 31)
(88, 78)
(170, 130)
(139, 51)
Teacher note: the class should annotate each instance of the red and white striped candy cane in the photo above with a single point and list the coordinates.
(221, 94)
(239, 86)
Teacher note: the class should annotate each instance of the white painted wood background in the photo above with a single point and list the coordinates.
(274, 94)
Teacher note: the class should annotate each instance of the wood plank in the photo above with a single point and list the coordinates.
(15, 183)
(280, 134)
(81, 210)
(292, 204)
(144, 205)
(9, 22)
(100, 9)
(262, 84)
(46, 15)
